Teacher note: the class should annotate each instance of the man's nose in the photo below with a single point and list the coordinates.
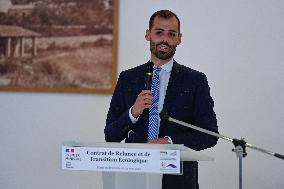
(165, 38)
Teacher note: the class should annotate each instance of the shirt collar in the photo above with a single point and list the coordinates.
(167, 66)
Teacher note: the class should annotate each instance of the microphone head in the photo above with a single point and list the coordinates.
(164, 115)
(149, 75)
(149, 70)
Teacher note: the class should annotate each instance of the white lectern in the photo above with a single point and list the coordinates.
(141, 180)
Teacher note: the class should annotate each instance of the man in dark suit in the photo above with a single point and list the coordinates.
(183, 92)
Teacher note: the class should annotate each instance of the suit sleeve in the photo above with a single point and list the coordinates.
(118, 122)
(203, 116)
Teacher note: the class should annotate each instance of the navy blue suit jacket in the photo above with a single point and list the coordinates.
(187, 99)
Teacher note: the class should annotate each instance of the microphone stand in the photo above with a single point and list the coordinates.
(240, 144)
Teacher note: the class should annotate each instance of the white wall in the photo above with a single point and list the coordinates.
(239, 45)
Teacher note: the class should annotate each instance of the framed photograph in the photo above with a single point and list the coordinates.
(58, 45)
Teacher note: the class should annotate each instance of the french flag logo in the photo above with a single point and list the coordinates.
(72, 150)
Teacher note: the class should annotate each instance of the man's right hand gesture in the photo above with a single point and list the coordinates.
(143, 101)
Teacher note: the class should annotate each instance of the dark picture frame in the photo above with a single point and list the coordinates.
(59, 46)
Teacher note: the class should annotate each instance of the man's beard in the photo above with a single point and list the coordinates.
(161, 54)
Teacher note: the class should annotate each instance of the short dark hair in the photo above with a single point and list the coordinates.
(166, 14)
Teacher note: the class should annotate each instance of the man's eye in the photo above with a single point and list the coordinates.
(172, 34)
(159, 33)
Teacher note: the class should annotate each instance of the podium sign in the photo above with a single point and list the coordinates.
(162, 161)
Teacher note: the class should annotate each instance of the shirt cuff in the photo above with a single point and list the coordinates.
(133, 119)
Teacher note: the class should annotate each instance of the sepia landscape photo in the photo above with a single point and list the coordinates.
(58, 45)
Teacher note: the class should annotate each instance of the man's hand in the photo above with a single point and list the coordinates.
(159, 141)
(143, 101)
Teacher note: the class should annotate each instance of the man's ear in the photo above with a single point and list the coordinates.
(147, 35)
(179, 38)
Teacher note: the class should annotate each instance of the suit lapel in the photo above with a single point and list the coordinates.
(174, 86)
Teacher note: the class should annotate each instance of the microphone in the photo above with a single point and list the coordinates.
(165, 117)
(149, 75)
